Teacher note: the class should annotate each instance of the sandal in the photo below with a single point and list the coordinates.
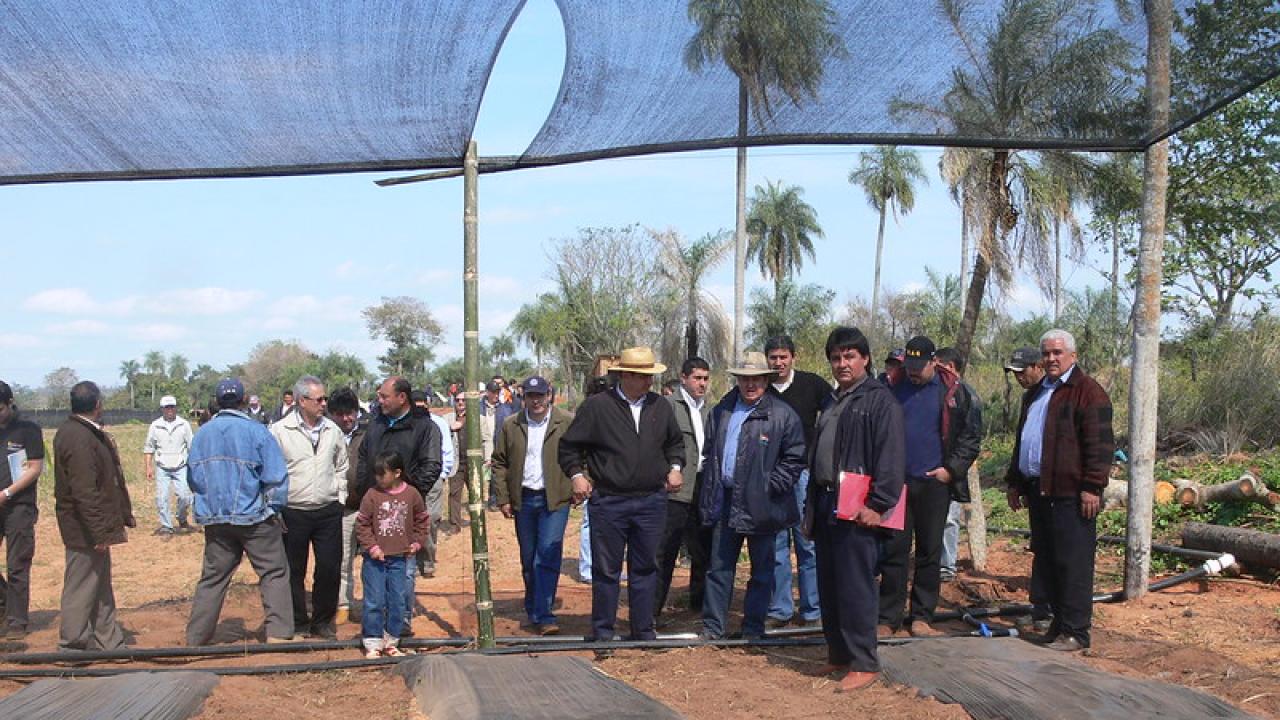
(394, 651)
(370, 654)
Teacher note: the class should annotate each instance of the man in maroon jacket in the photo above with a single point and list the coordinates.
(1061, 460)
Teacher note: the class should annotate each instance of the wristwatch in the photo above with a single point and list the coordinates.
(7, 494)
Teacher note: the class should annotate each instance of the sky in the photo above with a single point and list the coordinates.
(98, 273)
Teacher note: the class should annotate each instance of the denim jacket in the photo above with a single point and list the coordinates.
(237, 471)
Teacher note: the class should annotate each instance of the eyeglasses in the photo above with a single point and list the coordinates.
(321, 399)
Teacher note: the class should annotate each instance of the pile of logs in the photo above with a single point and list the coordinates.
(1188, 493)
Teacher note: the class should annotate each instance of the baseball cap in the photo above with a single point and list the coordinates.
(168, 401)
(896, 355)
(1023, 358)
(492, 386)
(536, 384)
(230, 389)
(919, 352)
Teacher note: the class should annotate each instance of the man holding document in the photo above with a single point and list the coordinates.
(859, 436)
(24, 459)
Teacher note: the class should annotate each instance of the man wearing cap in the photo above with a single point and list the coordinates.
(804, 392)
(689, 402)
(1060, 464)
(1027, 368)
(315, 453)
(753, 459)
(164, 455)
(893, 367)
(241, 485)
(493, 412)
(943, 424)
(344, 410)
(23, 447)
(630, 440)
(535, 492)
(93, 508)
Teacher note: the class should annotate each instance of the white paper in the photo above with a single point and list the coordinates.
(16, 461)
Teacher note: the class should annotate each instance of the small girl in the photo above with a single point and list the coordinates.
(391, 526)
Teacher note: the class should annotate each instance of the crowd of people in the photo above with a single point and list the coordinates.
(849, 475)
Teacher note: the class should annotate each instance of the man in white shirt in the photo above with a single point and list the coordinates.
(531, 489)
(164, 456)
(689, 401)
(315, 451)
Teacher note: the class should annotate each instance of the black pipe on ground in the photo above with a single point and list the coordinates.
(1176, 550)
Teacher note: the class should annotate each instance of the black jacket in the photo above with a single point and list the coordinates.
(771, 456)
(961, 433)
(418, 441)
(603, 438)
(870, 439)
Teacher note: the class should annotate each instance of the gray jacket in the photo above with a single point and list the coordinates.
(685, 418)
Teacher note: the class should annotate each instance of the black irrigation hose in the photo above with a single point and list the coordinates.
(1118, 540)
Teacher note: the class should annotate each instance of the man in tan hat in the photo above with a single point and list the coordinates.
(630, 439)
(755, 454)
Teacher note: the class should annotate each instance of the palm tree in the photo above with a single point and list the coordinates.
(178, 367)
(782, 227)
(153, 363)
(1056, 186)
(685, 267)
(541, 325)
(771, 47)
(1116, 199)
(129, 370)
(887, 175)
(960, 169)
(1044, 69)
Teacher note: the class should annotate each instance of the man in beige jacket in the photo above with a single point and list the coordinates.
(315, 450)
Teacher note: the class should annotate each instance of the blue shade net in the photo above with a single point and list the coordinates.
(130, 89)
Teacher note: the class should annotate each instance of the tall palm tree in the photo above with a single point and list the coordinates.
(1056, 186)
(153, 362)
(685, 266)
(781, 226)
(1116, 200)
(887, 175)
(1044, 69)
(129, 370)
(960, 169)
(771, 47)
(541, 325)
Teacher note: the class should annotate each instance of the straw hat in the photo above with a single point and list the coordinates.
(639, 360)
(753, 363)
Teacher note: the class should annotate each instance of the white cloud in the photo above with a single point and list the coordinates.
(80, 327)
(19, 341)
(156, 332)
(206, 301)
(76, 301)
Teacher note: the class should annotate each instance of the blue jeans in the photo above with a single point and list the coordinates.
(410, 579)
(725, 545)
(951, 538)
(384, 593)
(584, 546)
(541, 536)
(782, 607)
(174, 481)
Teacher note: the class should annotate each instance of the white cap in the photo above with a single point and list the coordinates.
(168, 400)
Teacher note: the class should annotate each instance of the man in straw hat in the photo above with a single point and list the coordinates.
(754, 457)
(630, 440)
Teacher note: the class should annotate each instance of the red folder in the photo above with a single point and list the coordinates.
(852, 497)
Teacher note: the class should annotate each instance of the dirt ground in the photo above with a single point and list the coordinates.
(1221, 637)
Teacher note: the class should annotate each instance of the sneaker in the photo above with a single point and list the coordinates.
(776, 623)
(393, 651)
(1065, 643)
(370, 654)
(163, 532)
(271, 640)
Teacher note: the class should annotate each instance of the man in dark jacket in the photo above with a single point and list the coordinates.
(805, 393)
(859, 431)
(535, 492)
(689, 403)
(1061, 462)
(93, 508)
(23, 447)
(943, 433)
(411, 432)
(344, 409)
(753, 459)
(630, 440)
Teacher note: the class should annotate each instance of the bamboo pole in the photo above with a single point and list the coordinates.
(1144, 384)
(471, 360)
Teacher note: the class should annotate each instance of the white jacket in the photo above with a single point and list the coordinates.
(317, 473)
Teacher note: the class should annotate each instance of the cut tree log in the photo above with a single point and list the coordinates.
(1254, 548)
(1165, 492)
(975, 517)
(1116, 493)
(1244, 488)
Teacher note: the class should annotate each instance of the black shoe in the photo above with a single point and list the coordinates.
(776, 623)
(1066, 643)
(163, 532)
(324, 632)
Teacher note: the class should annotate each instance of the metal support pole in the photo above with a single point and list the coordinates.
(471, 360)
(1144, 385)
